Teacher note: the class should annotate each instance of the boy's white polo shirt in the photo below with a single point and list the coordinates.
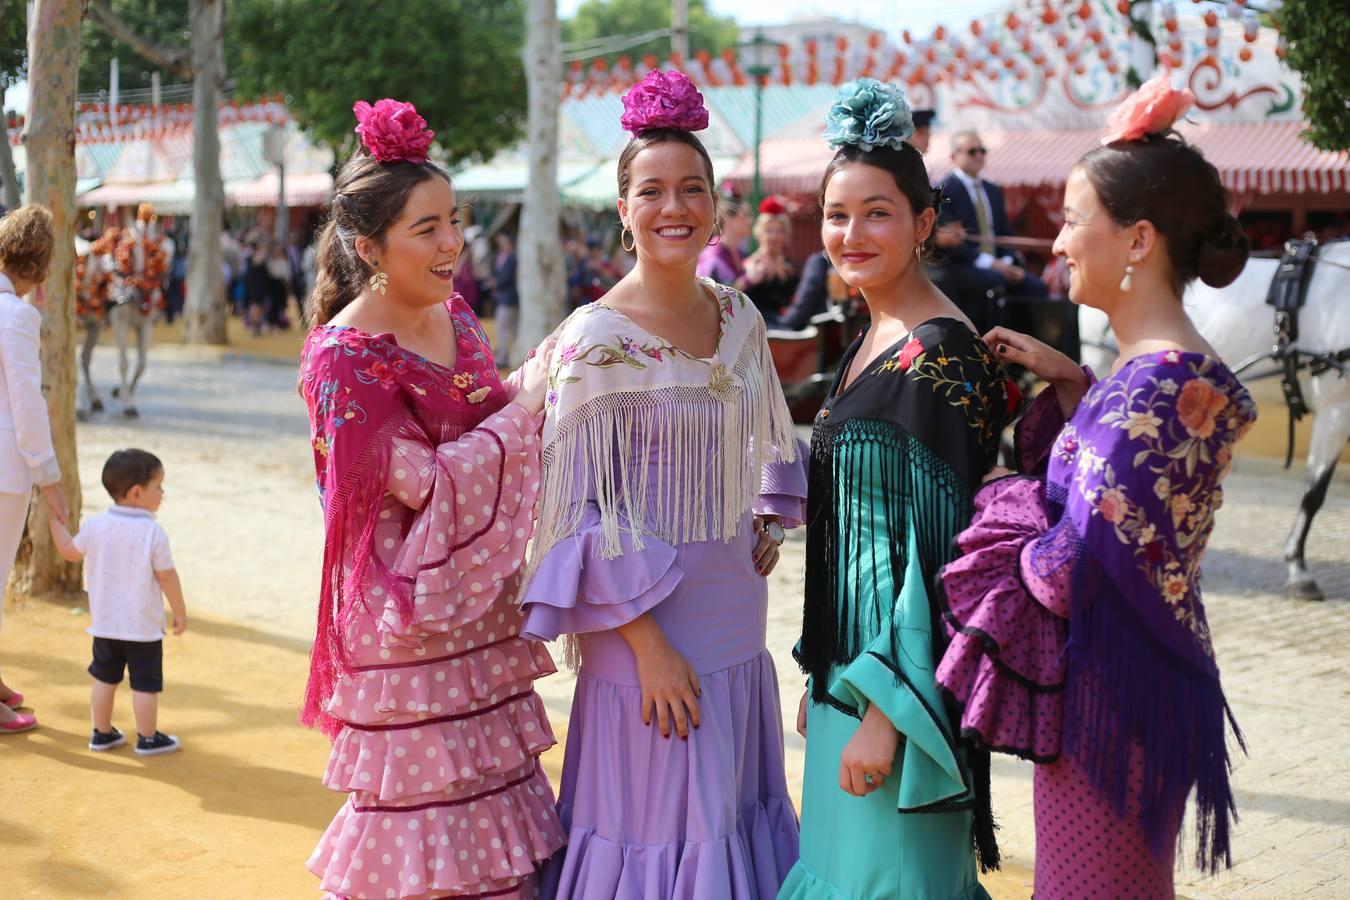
(123, 548)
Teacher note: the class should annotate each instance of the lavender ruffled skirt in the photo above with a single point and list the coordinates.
(650, 817)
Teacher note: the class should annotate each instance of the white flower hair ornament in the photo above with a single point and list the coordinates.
(868, 114)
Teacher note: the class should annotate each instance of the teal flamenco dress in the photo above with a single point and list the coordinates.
(896, 459)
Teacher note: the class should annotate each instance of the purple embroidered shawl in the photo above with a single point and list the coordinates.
(1133, 483)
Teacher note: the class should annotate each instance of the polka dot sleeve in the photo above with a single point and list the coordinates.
(473, 502)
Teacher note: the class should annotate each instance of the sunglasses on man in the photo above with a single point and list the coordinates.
(976, 151)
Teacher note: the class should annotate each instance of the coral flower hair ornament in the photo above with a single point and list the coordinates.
(1153, 109)
(868, 114)
(665, 100)
(392, 131)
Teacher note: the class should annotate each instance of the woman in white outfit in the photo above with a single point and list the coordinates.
(26, 454)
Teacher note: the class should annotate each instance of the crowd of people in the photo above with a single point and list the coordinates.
(627, 489)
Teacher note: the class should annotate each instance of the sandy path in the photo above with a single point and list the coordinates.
(245, 524)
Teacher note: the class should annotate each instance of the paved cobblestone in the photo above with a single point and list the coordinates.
(233, 436)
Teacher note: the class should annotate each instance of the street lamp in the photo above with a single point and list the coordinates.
(759, 49)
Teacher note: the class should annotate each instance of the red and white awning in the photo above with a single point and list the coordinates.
(1252, 157)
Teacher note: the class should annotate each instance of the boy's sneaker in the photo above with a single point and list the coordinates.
(160, 743)
(106, 740)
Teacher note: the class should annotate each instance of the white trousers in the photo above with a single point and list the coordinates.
(507, 317)
(13, 513)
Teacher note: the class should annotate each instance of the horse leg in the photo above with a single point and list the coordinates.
(1331, 430)
(92, 329)
(121, 325)
(142, 351)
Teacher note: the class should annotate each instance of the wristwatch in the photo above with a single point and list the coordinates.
(774, 529)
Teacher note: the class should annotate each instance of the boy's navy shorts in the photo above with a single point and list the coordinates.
(144, 659)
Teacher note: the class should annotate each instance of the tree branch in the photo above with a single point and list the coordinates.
(177, 61)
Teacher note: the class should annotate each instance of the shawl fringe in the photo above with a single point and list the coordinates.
(680, 463)
(1171, 711)
(918, 487)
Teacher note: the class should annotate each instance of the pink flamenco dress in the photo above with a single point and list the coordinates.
(419, 673)
(1078, 634)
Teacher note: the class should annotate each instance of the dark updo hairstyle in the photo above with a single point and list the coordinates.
(368, 197)
(1163, 179)
(661, 136)
(904, 165)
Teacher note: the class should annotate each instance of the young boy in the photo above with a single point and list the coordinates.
(129, 565)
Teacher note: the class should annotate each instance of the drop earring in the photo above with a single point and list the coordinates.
(1127, 282)
(380, 280)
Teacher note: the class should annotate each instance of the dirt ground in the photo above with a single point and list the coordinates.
(236, 813)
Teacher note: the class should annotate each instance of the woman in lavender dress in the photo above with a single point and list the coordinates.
(664, 495)
(1079, 636)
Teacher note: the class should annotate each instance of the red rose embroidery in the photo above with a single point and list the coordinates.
(908, 353)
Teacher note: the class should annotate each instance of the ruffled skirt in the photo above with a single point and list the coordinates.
(655, 818)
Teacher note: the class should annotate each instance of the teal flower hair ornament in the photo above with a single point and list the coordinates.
(869, 114)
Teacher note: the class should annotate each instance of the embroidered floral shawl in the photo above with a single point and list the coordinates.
(668, 445)
(361, 390)
(1133, 484)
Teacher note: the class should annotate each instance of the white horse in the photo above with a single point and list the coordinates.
(1240, 326)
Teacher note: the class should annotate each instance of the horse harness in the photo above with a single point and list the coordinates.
(1287, 294)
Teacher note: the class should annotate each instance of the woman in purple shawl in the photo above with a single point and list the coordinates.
(1079, 639)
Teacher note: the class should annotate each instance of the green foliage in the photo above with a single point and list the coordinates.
(1318, 32)
(459, 61)
(13, 42)
(606, 18)
(163, 22)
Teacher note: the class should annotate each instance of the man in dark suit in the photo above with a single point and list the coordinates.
(978, 265)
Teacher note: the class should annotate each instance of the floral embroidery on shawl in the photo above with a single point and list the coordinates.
(961, 379)
(616, 393)
(360, 389)
(625, 350)
(1182, 436)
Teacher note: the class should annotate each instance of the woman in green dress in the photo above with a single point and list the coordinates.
(893, 805)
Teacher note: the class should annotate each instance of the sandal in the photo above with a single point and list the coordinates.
(15, 700)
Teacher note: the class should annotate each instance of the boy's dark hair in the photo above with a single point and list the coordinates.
(127, 468)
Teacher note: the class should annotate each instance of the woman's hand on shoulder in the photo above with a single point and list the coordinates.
(869, 754)
(534, 376)
(1042, 360)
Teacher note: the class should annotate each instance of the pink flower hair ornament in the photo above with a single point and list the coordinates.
(663, 100)
(392, 131)
(1152, 109)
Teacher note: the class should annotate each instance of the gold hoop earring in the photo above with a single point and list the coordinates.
(627, 248)
(918, 254)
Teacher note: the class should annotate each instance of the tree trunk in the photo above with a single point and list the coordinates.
(49, 136)
(7, 173)
(205, 308)
(541, 279)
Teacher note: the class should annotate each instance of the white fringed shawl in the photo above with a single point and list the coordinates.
(670, 446)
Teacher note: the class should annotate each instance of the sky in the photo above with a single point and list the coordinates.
(892, 16)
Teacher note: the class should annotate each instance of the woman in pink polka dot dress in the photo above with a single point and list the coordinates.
(427, 467)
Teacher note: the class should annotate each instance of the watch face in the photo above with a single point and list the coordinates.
(775, 532)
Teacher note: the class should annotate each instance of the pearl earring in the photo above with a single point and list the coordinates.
(1126, 283)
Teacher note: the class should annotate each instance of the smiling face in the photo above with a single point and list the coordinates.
(870, 230)
(1094, 248)
(669, 205)
(419, 250)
